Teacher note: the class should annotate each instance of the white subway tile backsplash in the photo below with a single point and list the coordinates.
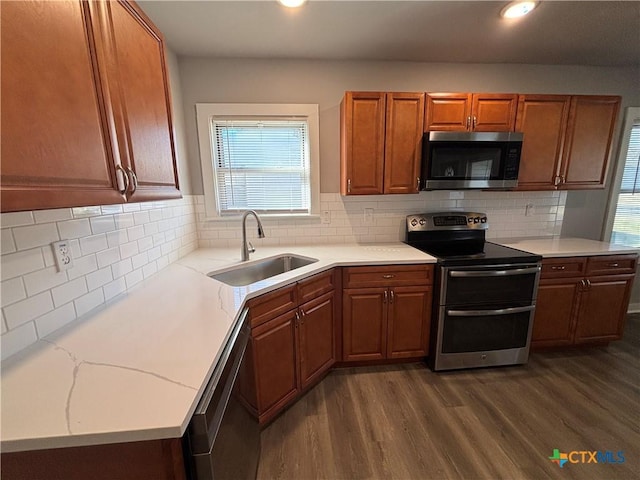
(6, 241)
(55, 319)
(99, 278)
(89, 301)
(12, 291)
(35, 235)
(28, 309)
(102, 224)
(94, 243)
(18, 339)
(57, 215)
(16, 219)
(134, 277)
(108, 257)
(20, 263)
(69, 291)
(83, 266)
(114, 288)
(74, 228)
(37, 300)
(42, 280)
(121, 268)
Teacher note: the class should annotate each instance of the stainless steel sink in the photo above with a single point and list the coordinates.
(255, 271)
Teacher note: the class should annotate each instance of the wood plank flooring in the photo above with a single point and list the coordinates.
(406, 422)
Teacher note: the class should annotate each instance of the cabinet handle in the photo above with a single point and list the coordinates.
(302, 312)
(388, 275)
(125, 177)
(558, 267)
(134, 179)
(562, 179)
(349, 186)
(613, 265)
(418, 183)
(556, 180)
(583, 282)
(468, 122)
(297, 319)
(384, 298)
(475, 122)
(392, 296)
(588, 283)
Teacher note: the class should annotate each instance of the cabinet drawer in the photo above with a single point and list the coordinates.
(382, 276)
(316, 285)
(611, 264)
(270, 305)
(563, 267)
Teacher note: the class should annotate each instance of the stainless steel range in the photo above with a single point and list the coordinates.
(485, 293)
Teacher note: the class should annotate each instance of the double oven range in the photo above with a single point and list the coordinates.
(484, 301)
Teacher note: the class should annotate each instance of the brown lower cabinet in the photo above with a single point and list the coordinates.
(290, 351)
(582, 299)
(389, 319)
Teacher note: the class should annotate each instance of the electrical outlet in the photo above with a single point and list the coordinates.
(326, 216)
(456, 195)
(368, 216)
(529, 210)
(62, 254)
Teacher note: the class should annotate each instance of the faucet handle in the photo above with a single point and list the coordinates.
(250, 249)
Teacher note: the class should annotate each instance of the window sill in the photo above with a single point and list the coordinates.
(265, 217)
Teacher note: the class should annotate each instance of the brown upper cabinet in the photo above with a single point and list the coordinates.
(85, 110)
(381, 142)
(567, 140)
(473, 112)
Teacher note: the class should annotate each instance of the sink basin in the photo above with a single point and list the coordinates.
(269, 267)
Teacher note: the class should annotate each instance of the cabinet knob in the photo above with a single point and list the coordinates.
(613, 265)
(388, 275)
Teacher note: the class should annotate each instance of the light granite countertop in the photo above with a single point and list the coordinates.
(135, 369)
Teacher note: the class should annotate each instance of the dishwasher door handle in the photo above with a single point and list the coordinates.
(493, 273)
(487, 313)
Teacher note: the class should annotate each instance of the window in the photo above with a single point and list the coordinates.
(625, 226)
(260, 157)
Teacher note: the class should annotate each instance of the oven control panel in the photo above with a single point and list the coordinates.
(447, 221)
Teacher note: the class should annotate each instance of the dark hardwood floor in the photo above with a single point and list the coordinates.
(406, 422)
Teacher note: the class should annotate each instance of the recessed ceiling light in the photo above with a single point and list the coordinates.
(292, 3)
(517, 9)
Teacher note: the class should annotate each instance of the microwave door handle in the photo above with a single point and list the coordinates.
(487, 313)
(494, 273)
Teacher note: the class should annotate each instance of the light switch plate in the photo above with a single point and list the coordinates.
(62, 254)
(326, 216)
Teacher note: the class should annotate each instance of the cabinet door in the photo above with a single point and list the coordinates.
(603, 308)
(556, 310)
(274, 355)
(362, 143)
(543, 120)
(589, 133)
(447, 112)
(316, 338)
(56, 147)
(139, 85)
(364, 321)
(493, 112)
(408, 322)
(403, 142)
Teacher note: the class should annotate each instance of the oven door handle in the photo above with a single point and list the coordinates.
(486, 313)
(493, 273)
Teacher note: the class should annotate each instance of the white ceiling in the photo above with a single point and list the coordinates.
(557, 32)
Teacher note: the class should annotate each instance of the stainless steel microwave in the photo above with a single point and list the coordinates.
(464, 160)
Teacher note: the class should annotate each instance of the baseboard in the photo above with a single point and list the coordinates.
(633, 308)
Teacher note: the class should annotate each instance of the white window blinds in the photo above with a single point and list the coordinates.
(626, 226)
(261, 164)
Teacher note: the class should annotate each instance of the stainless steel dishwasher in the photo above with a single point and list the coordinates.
(223, 438)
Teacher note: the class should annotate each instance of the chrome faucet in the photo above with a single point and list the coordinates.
(247, 248)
